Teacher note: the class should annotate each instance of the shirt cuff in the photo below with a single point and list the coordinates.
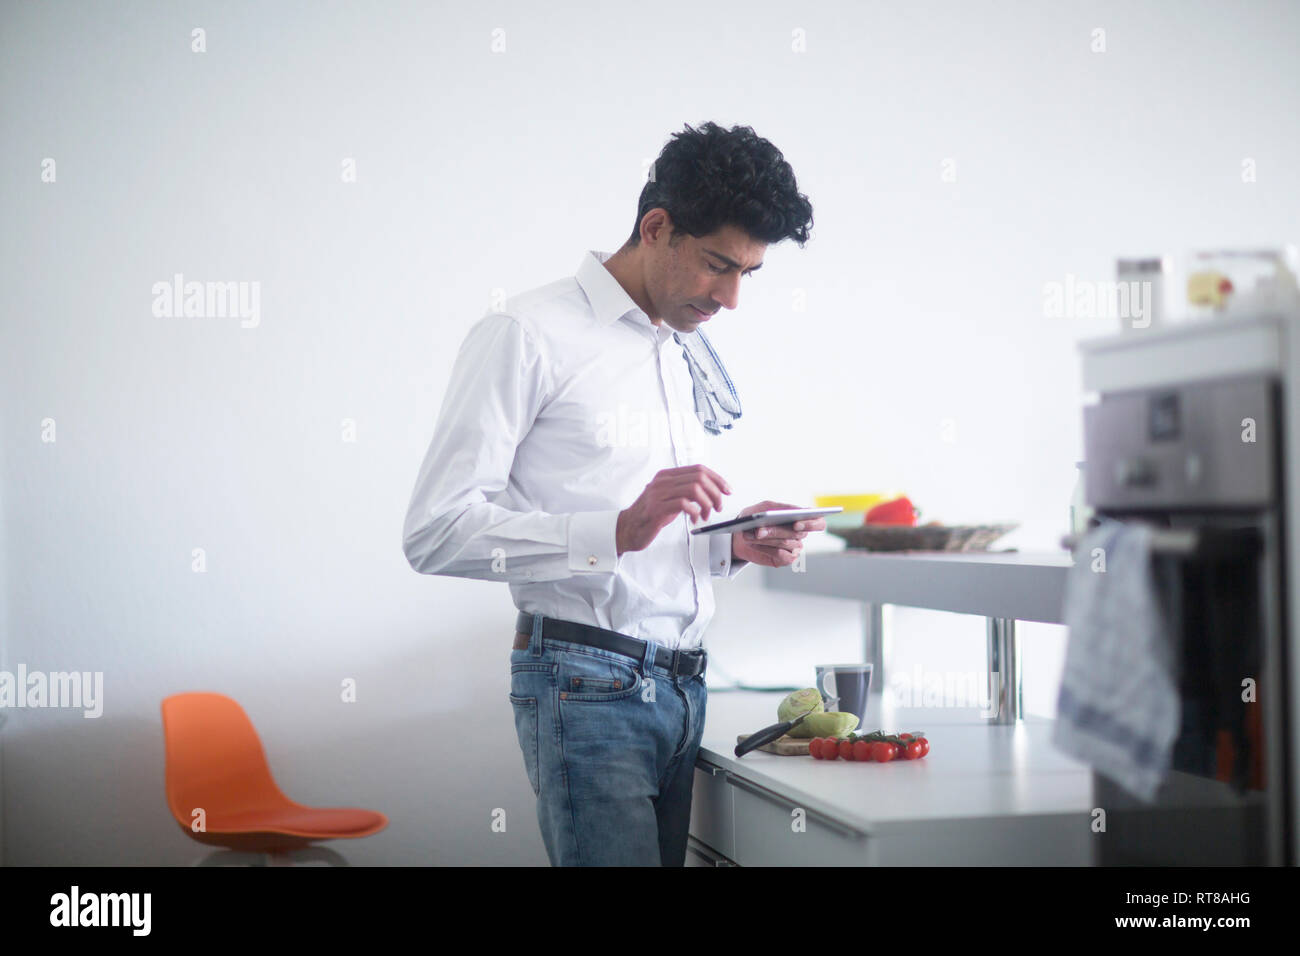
(593, 542)
(721, 563)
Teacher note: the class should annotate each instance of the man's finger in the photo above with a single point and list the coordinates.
(775, 533)
(774, 549)
(690, 471)
(700, 488)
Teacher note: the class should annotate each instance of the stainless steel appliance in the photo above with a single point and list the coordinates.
(1190, 435)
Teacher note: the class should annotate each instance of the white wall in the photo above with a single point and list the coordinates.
(480, 171)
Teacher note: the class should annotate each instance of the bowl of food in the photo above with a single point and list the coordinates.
(893, 526)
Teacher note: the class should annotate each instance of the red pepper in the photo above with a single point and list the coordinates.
(898, 511)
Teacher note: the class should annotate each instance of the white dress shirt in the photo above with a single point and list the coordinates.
(560, 410)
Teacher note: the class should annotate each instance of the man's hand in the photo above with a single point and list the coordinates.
(775, 546)
(695, 489)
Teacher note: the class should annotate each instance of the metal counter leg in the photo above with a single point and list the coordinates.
(873, 644)
(1005, 688)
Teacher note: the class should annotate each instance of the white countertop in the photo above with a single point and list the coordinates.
(1022, 586)
(974, 771)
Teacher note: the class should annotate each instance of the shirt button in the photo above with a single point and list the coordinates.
(592, 560)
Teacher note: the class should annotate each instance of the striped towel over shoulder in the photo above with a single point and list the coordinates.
(716, 403)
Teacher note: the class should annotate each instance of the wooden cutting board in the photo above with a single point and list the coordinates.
(785, 746)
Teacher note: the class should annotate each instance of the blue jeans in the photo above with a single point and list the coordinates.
(609, 744)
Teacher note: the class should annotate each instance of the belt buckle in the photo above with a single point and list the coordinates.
(677, 659)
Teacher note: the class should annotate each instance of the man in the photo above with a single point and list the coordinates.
(568, 460)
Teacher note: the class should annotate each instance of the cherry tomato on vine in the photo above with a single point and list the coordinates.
(846, 750)
(925, 745)
(862, 751)
(882, 751)
(913, 751)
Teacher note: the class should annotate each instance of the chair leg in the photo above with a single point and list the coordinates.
(306, 854)
(232, 858)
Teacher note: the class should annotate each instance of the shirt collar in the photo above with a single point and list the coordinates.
(609, 300)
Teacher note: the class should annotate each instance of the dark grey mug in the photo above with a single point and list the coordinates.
(849, 686)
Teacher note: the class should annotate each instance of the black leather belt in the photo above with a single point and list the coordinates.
(683, 663)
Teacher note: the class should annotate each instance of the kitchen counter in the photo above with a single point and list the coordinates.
(987, 794)
(1001, 586)
(1022, 586)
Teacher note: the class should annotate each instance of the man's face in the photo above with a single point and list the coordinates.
(700, 274)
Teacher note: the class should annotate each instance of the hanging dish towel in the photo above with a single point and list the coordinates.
(716, 403)
(1118, 708)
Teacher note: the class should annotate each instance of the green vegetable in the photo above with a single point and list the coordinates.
(799, 703)
(833, 724)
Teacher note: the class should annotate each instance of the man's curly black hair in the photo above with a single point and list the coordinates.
(710, 177)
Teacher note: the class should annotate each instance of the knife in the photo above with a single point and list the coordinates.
(769, 734)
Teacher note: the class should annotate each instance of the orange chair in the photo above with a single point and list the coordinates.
(215, 762)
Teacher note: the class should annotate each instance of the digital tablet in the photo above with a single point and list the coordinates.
(763, 519)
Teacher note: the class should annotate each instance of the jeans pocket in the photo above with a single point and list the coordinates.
(590, 677)
(525, 709)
